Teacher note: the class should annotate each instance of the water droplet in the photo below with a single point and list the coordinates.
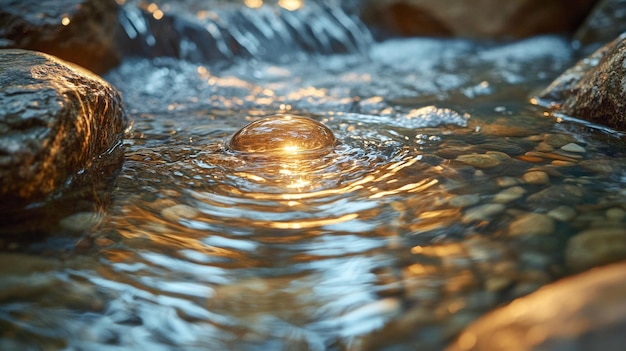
(284, 136)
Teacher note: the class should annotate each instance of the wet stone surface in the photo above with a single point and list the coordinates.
(61, 128)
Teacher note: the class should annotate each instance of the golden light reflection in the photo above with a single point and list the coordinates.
(439, 250)
(253, 4)
(291, 5)
(283, 136)
(155, 11)
(312, 223)
(65, 21)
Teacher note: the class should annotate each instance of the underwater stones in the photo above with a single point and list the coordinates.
(480, 160)
(573, 147)
(485, 19)
(593, 89)
(80, 31)
(56, 120)
(595, 247)
(558, 140)
(536, 178)
(482, 212)
(531, 224)
(562, 213)
(583, 312)
(284, 136)
(509, 194)
(177, 212)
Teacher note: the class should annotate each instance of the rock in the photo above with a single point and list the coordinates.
(532, 224)
(464, 200)
(583, 312)
(562, 194)
(81, 221)
(562, 213)
(606, 22)
(58, 124)
(510, 194)
(572, 147)
(480, 160)
(484, 19)
(593, 89)
(80, 31)
(536, 178)
(615, 214)
(177, 212)
(558, 140)
(482, 212)
(595, 247)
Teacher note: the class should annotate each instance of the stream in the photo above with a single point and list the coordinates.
(411, 223)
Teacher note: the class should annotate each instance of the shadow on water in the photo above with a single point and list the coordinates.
(396, 238)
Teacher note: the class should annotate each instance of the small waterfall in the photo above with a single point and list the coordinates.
(268, 32)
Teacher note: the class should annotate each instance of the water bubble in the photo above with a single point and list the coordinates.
(284, 136)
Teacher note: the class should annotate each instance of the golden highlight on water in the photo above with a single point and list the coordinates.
(284, 136)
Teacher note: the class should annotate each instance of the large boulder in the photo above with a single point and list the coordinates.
(584, 312)
(605, 23)
(56, 121)
(81, 31)
(482, 19)
(594, 89)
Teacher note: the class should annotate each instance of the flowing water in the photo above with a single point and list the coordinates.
(391, 229)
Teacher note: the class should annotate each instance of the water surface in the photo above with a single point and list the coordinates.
(395, 239)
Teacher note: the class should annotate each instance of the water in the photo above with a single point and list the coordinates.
(394, 237)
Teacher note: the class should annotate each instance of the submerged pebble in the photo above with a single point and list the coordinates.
(178, 212)
(510, 194)
(482, 212)
(596, 246)
(572, 147)
(536, 178)
(532, 224)
(562, 213)
(480, 160)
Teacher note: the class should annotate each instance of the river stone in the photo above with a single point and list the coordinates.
(510, 194)
(485, 19)
(56, 119)
(562, 213)
(482, 212)
(480, 160)
(562, 194)
(536, 177)
(596, 246)
(583, 312)
(573, 147)
(531, 224)
(605, 23)
(88, 38)
(592, 90)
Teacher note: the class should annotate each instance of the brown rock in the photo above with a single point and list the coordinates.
(55, 119)
(532, 224)
(79, 31)
(593, 89)
(491, 19)
(584, 312)
(595, 247)
(606, 21)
